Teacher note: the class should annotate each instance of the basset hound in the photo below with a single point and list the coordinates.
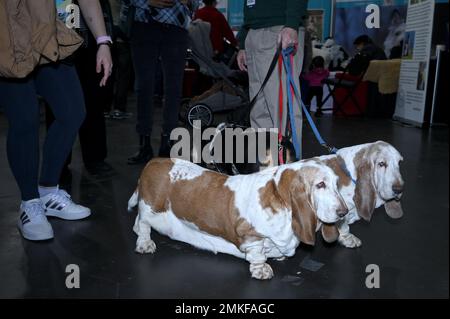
(254, 217)
(369, 176)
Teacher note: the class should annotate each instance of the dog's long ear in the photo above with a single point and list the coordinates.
(365, 193)
(304, 220)
(393, 209)
(330, 232)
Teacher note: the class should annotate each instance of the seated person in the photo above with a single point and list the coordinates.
(366, 52)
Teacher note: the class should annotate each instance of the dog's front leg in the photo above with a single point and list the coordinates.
(144, 243)
(254, 254)
(346, 238)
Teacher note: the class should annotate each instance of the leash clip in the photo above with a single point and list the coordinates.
(331, 149)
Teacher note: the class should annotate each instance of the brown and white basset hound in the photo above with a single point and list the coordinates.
(254, 217)
(369, 176)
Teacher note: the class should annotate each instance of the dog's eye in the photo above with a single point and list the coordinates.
(321, 185)
(382, 164)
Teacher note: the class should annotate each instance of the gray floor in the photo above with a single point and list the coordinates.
(412, 253)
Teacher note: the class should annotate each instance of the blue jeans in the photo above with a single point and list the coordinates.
(149, 41)
(58, 84)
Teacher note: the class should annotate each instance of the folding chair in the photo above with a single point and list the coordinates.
(355, 70)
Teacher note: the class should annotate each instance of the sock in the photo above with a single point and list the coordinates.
(44, 191)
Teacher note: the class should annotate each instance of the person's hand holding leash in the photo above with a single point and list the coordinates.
(242, 60)
(288, 37)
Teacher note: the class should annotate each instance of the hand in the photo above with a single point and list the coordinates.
(161, 3)
(104, 61)
(242, 60)
(288, 37)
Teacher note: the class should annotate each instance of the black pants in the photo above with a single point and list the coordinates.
(315, 91)
(59, 85)
(93, 131)
(123, 72)
(149, 41)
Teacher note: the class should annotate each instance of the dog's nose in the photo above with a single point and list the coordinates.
(342, 212)
(397, 189)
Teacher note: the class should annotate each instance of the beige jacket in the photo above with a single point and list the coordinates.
(30, 35)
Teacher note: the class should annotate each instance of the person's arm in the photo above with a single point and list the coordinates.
(93, 15)
(241, 57)
(227, 32)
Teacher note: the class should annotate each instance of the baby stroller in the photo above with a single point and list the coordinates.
(229, 93)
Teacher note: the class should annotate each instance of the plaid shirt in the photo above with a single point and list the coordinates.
(179, 14)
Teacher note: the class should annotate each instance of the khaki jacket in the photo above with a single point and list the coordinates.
(31, 35)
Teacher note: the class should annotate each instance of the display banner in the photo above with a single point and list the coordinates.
(235, 13)
(351, 21)
(416, 55)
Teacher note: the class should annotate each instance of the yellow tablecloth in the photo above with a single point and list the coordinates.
(386, 73)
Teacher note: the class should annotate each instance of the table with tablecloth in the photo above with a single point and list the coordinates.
(383, 78)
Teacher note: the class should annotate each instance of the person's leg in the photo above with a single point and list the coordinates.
(124, 70)
(58, 83)
(66, 175)
(309, 97)
(261, 45)
(319, 97)
(173, 53)
(259, 56)
(19, 100)
(92, 132)
(145, 47)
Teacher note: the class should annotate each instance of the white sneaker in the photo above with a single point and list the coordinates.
(32, 223)
(59, 204)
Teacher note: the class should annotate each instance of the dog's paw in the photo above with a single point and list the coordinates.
(261, 271)
(350, 241)
(145, 246)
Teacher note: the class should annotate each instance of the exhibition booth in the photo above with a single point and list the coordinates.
(413, 34)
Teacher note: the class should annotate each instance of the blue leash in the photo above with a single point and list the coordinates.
(286, 53)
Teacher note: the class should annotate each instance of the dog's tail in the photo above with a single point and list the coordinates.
(133, 201)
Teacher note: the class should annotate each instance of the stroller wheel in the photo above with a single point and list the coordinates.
(199, 112)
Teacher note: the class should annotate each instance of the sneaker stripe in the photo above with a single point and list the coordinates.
(23, 217)
(49, 202)
(56, 204)
(60, 207)
(26, 221)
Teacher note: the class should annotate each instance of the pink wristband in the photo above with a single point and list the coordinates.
(103, 39)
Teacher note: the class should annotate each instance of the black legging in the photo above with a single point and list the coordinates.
(58, 84)
(314, 91)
